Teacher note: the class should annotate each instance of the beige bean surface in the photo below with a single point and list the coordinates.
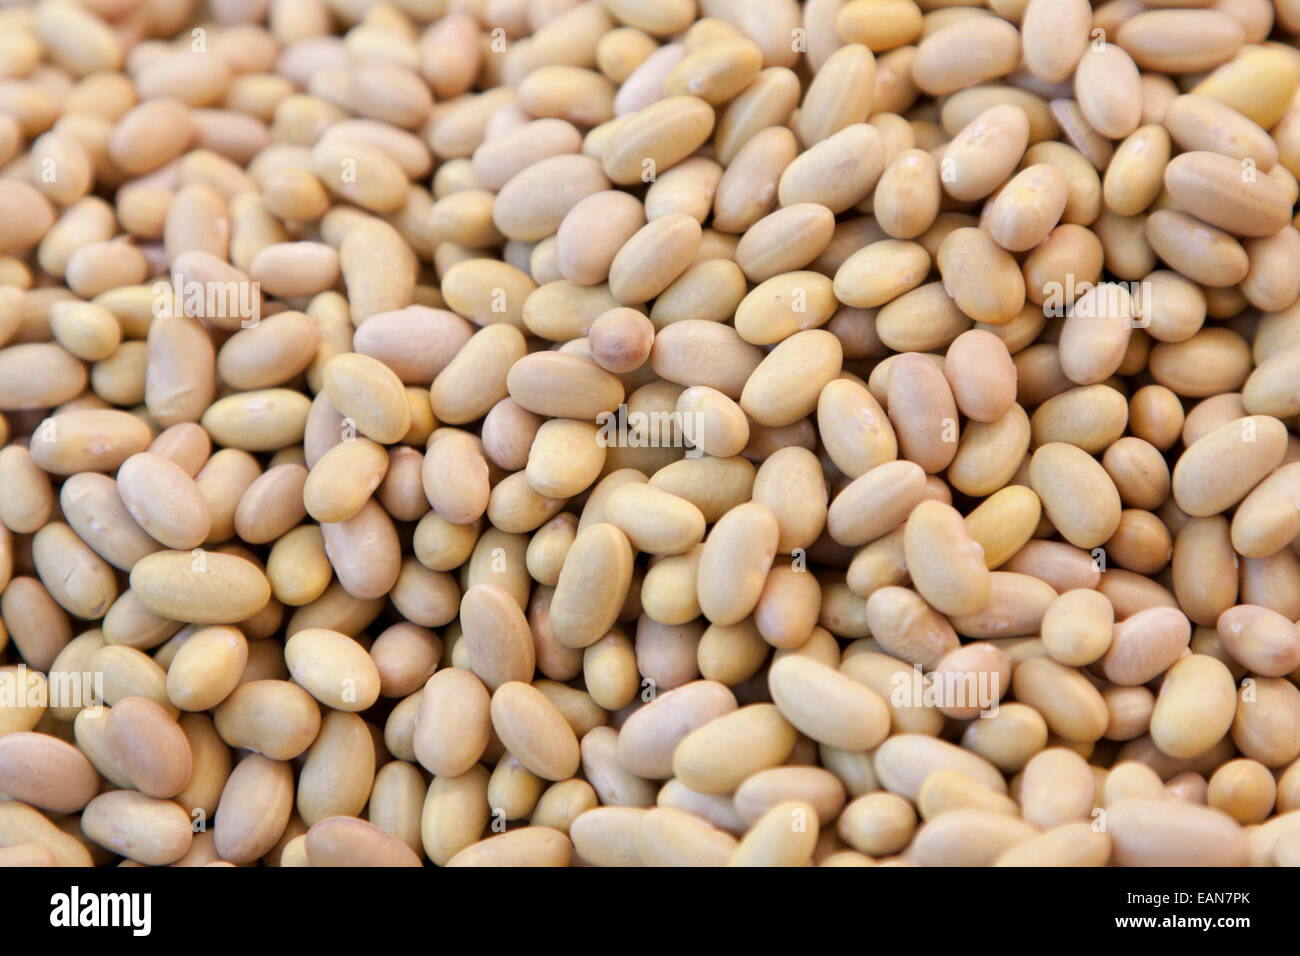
(688, 432)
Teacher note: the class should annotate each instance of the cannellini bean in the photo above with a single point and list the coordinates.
(649, 433)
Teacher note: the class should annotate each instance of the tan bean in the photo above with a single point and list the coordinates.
(1071, 705)
(1077, 627)
(1064, 476)
(981, 374)
(1202, 39)
(276, 718)
(593, 585)
(496, 636)
(534, 731)
(786, 385)
(1144, 644)
(1199, 251)
(1170, 833)
(1195, 707)
(475, 379)
(1055, 38)
(359, 172)
(207, 668)
(679, 354)
(1220, 468)
(262, 420)
(139, 827)
(877, 824)
(348, 841)
(1261, 639)
(881, 272)
(908, 194)
(735, 561)
(828, 706)
(951, 58)
(149, 747)
(905, 761)
(784, 305)
(718, 756)
(1244, 789)
(1108, 90)
(1213, 188)
(956, 583)
(201, 588)
(65, 781)
(785, 240)
(333, 668)
(981, 277)
(88, 439)
(987, 149)
(656, 137)
(255, 808)
(907, 627)
(1199, 122)
(922, 411)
